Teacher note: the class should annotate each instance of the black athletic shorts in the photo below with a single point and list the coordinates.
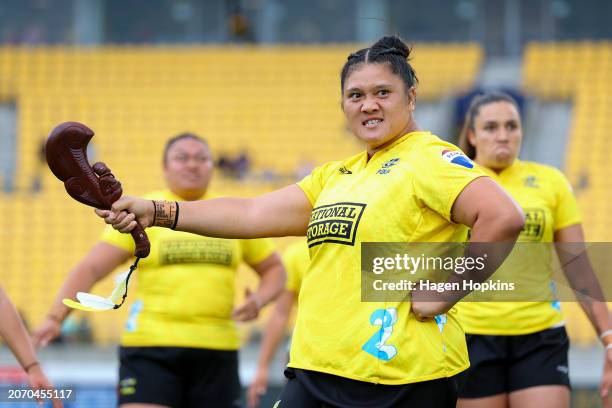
(179, 377)
(311, 389)
(503, 364)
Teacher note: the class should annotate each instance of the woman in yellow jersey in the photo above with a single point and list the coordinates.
(179, 346)
(407, 186)
(521, 360)
(16, 337)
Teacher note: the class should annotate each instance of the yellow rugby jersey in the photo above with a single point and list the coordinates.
(546, 198)
(186, 285)
(404, 193)
(296, 260)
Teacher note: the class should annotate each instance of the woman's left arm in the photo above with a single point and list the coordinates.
(577, 268)
(272, 280)
(496, 221)
(581, 277)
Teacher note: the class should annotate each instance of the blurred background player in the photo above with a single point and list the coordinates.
(346, 352)
(180, 343)
(14, 333)
(521, 360)
(296, 260)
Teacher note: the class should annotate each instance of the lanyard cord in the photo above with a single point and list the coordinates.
(127, 280)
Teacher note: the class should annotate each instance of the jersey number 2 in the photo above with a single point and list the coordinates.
(385, 318)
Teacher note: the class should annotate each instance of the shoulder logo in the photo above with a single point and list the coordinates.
(386, 167)
(344, 170)
(458, 158)
(335, 223)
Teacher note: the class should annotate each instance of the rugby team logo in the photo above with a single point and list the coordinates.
(531, 181)
(335, 223)
(458, 158)
(386, 167)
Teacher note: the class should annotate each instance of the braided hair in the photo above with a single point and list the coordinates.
(389, 50)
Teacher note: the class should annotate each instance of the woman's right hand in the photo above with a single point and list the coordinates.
(258, 388)
(428, 303)
(46, 332)
(126, 211)
(424, 311)
(39, 381)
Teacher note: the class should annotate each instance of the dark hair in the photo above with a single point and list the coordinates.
(473, 111)
(181, 136)
(387, 50)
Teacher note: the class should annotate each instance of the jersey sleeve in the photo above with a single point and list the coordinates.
(566, 212)
(312, 184)
(118, 239)
(442, 172)
(255, 251)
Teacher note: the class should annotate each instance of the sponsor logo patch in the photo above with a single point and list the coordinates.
(211, 251)
(335, 223)
(127, 386)
(535, 222)
(458, 158)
